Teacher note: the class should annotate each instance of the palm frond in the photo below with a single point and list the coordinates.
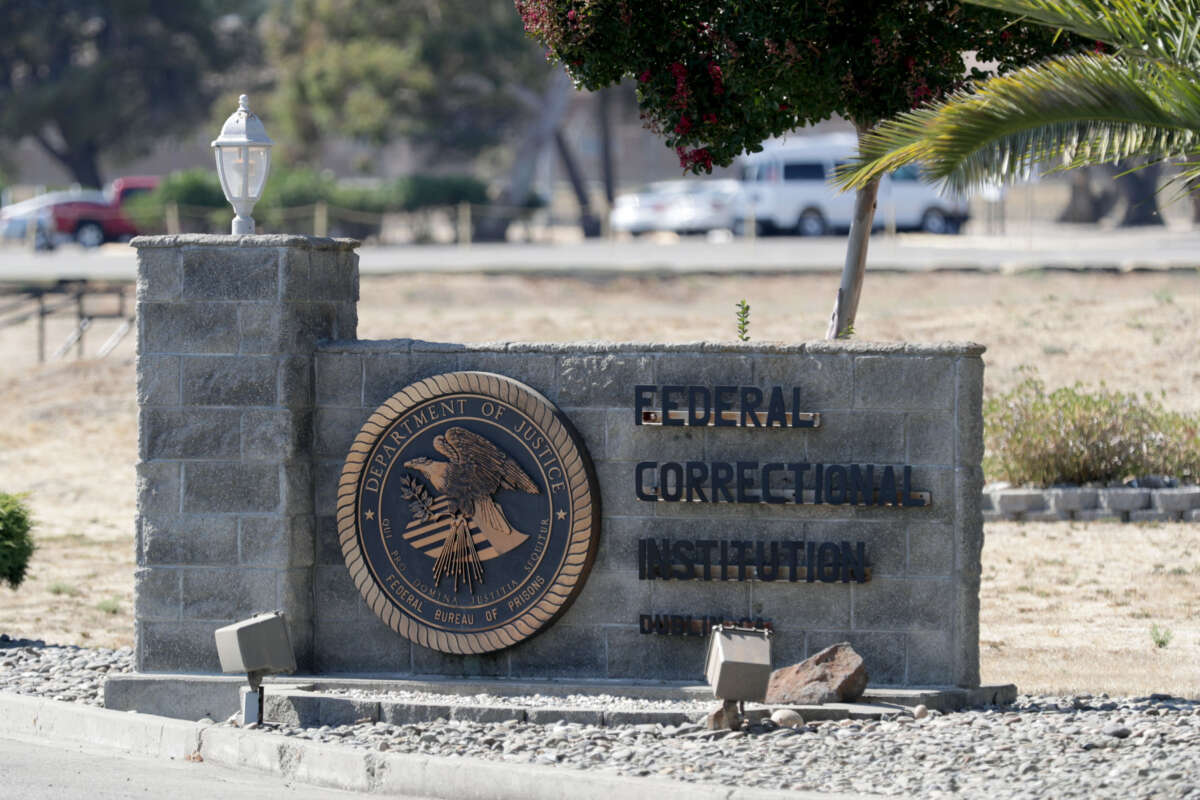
(1066, 112)
(1160, 29)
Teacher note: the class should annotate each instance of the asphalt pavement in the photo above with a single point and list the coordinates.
(52, 771)
(1041, 247)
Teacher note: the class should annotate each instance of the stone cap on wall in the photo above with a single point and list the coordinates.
(824, 347)
(246, 240)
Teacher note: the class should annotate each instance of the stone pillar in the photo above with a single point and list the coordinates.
(227, 326)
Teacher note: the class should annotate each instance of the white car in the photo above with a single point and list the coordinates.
(685, 206)
(787, 188)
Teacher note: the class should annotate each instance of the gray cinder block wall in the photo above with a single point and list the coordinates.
(227, 326)
(915, 621)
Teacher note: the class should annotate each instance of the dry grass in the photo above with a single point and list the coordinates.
(1068, 607)
(68, 438)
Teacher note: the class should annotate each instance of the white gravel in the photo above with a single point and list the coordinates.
(606, 702)
(60, 672)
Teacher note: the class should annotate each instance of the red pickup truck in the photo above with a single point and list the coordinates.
(94, 218)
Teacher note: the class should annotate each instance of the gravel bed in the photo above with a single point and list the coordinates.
(60, 672)
(1080, 746)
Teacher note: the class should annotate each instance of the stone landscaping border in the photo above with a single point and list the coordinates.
(301, 706)
(1119, 504)
(302, 701)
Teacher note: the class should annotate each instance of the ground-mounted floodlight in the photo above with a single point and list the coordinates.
(243, 152)
(257, 646)
(738, 668)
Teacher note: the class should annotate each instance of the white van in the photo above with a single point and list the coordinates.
(787, 188)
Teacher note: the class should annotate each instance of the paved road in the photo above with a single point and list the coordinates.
(40, 771)
(1044, 247)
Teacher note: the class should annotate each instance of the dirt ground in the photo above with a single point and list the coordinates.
(1065, 607)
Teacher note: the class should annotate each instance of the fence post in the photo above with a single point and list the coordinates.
(464, 224)
(41, 313)
(321, 219)
(79, 317)
(171, 213)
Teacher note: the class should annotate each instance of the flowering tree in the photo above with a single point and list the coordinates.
(718, 77)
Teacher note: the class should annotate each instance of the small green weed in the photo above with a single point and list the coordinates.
(60, 588)
(743, 320)
(1160, 636)
(109, 605)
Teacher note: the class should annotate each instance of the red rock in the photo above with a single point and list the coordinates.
(836, 674)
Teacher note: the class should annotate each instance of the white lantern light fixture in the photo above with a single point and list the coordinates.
(243, 152)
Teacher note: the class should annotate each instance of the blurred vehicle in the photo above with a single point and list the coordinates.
(694, 206)
(787, 189)
(93, 218)
(34, 216)
(88, 216)
(645, 210)
(704, 206)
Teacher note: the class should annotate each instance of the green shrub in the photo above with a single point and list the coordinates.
(196, 191)
(16, 545)
(192, 187)
(203, 207)
(423, 191)
(1074, 436)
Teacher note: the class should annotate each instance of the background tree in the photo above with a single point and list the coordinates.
(438, 72)
(716, 78)
(1136, 96)
(453, 77)
(87, 78)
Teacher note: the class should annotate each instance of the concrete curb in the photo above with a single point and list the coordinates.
(344, 767)
(142, 734)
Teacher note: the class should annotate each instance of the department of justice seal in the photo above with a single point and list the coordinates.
(468, 512)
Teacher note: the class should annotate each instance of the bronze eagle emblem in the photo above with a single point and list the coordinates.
(475, 470)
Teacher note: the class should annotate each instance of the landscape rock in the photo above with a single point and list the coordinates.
(787, 718)
(723, 719)
(836, 674)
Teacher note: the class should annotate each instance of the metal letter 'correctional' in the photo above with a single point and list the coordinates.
(468, 512)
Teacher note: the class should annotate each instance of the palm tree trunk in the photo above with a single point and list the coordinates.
(845, 306)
